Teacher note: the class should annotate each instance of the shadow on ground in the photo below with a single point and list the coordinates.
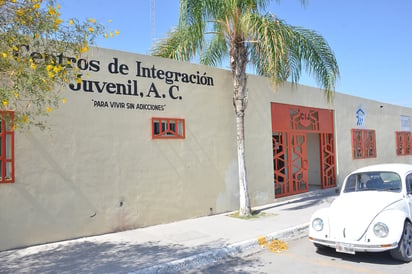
(92, 257)
(304, 201)
(383, 258)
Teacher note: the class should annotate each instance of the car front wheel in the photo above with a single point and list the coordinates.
(404, 250)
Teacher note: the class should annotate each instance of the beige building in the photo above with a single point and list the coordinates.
(144, 140)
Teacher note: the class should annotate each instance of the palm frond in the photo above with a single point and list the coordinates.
(208, 29)
(281, 50)
(177, 45)
(269, 52)
(320, 62)
(215, 51)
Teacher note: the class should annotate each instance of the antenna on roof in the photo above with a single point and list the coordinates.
(152, 22)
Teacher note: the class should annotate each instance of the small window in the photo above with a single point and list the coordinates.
(172, 128)
(6, 147)
(405, 123)
(403, 143)
(363, 144)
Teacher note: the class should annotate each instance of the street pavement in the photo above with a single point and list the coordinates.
(173, 247)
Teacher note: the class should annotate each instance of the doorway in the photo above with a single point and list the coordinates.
(303, 149)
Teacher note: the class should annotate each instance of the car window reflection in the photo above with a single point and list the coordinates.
(377, 181)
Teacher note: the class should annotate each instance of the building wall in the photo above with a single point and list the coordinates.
(98, 170)
(381, 117)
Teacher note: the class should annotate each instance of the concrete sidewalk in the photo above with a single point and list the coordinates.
(173, 247)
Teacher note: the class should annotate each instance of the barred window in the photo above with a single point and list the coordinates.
(403, 143)
(6, 147)
(363, 144)
(168, 128)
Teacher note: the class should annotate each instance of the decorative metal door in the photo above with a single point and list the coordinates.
(291, 126)
(327, 160)
(280, 163)
(290, 163)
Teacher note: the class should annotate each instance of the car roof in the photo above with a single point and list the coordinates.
(399, 168)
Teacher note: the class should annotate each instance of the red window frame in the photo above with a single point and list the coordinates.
(403, 143)
(363, 144)
(168, 128)
(6, 147)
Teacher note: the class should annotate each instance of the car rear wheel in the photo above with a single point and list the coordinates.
(404, 250)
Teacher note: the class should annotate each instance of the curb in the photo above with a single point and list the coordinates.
(247, 247)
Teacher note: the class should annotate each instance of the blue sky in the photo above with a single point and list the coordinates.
(371, 39)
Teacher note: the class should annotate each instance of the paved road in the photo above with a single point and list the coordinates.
(302, 257)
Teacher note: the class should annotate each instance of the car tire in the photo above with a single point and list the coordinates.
(404, 250)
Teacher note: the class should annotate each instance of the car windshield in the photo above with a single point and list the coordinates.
(367, 181)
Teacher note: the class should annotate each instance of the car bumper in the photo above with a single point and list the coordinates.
(351, 247)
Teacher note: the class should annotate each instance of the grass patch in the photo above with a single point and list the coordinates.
(255, 214)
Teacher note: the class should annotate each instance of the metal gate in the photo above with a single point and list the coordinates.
(290, 126)
(327, 160)
(290, 163)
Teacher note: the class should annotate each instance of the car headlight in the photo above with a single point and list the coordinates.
(317, 224)
(381, 230)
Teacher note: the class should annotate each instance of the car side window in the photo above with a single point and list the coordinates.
(409, 184)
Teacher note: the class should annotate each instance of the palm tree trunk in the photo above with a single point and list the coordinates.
(244, 202)
(238, 60)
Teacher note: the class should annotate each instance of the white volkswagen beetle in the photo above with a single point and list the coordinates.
(371, 214)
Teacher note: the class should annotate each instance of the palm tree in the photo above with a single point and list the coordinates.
(212, 30)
